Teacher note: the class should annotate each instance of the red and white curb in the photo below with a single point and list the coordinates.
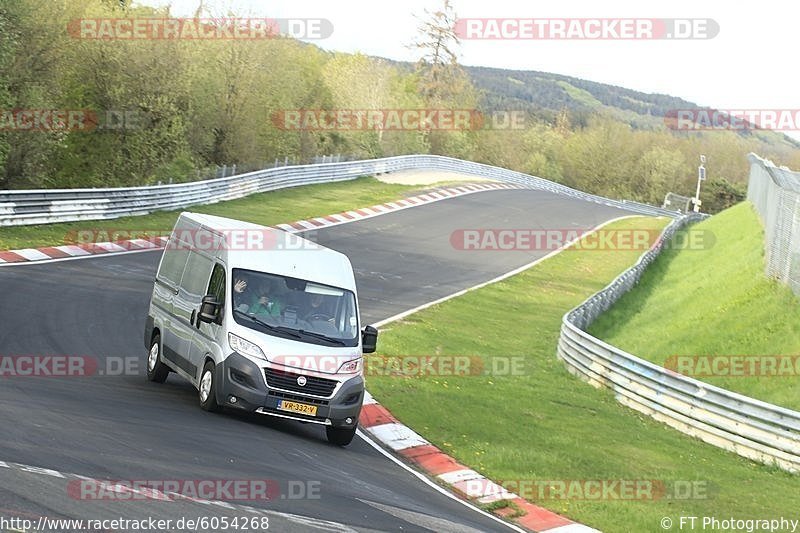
(399, 205)
(70, 251)
(379, 423)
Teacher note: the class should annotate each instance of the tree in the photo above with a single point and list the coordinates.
(442, 83)
(359, 83)
(441, 78)
(141, 82)
(655, 173)
(9, 42)
(33, 41)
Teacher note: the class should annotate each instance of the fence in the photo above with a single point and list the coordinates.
(66, 205)
(676, 202)
(775, 193)
(748, 427)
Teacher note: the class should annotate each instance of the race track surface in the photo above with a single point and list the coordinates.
(122, 427)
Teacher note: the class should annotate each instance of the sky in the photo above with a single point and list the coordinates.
(749, 64)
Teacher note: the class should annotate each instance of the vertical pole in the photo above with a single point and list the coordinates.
(701, 175)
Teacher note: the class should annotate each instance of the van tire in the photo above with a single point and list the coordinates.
(207, 389)
(156, 370)
(340, 436)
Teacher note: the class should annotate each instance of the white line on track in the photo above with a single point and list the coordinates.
(500, 277)
(434, 486)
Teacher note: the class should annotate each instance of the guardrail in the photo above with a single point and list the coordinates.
(67, 205)
(749, 427)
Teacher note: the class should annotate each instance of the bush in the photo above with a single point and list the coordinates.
(719, 194)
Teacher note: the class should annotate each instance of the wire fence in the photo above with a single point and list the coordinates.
(775, 193)
(677, 202)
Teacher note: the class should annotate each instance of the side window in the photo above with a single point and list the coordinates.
(172, 263)
(216, 285)
(195, 275)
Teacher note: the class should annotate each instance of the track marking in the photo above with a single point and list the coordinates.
(434, 486)
(501, 277)
(316, 523)
(432, 523)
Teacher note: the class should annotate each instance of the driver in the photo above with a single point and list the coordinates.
(317, 309)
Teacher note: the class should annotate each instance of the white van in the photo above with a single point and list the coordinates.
(260, 320)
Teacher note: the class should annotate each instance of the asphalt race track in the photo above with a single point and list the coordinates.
(122, 427)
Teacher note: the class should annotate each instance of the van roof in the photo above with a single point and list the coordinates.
(280, 253)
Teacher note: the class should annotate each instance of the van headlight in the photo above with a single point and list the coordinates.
(350, 367)
(245, 347)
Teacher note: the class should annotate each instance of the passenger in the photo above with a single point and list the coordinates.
(264, 302)
(241, 296)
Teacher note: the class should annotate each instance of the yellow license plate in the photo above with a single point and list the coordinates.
(295, 407)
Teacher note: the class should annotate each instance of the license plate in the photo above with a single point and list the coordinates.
(294, 407)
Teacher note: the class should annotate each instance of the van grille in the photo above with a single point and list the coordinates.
(298, 398)
(288, 381)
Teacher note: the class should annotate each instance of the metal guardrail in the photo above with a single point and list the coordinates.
(45, 206)
(749, 427)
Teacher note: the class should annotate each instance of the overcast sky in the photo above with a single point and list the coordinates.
(750, 64)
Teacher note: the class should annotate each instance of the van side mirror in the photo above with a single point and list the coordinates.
(209, 310)
(369, 339)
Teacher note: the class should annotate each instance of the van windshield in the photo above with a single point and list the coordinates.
(294, 308)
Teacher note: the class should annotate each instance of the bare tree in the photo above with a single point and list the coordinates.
(440, 75)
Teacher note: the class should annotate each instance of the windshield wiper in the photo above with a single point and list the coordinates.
(287, 331)
(321, 336)
(296, 333)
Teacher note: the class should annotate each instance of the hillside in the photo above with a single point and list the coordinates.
(544, 94)
(720, 306)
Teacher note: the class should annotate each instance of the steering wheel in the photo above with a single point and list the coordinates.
(319, 317)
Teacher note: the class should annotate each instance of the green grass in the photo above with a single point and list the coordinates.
(713, 302)
(275, 207)
(548, 425)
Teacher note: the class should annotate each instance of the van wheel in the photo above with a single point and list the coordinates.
(340, 437)
(156, 370)
(208, 389)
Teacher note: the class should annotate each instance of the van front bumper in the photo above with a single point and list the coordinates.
(242, 385)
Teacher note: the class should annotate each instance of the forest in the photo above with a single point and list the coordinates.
(89, 112)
